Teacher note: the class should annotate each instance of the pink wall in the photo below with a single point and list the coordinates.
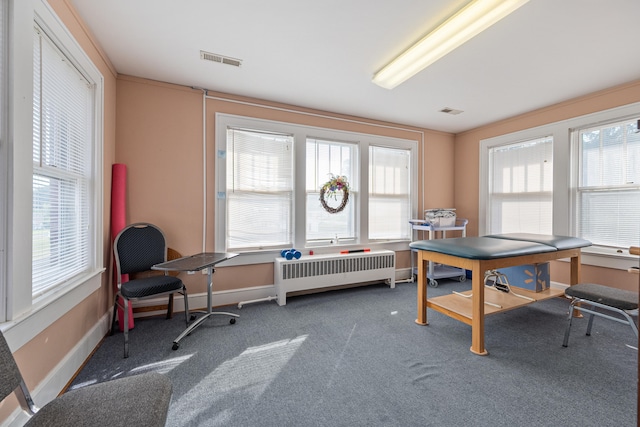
(161, 124)
(159, 138)
(467, 149)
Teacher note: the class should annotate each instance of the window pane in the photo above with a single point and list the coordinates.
(325, 226)
(521, 187)
(389, 193)
(62, 144)
(632, 166)
(259, 189)
(60, 246)
(608, 193)
(610, 218)
(258, 220)
(325, 159)
(613, 155)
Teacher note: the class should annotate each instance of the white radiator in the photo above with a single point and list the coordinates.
(321, 271)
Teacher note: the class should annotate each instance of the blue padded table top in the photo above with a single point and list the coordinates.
(559, 242)
(483, 247)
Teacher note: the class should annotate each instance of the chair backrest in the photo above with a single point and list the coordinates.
(11, 379)
(138, 247)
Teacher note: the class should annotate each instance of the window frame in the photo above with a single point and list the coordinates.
(521, 196)
(354, 194)
(565, 170)
(582, 190)
(240, 189)
(25, 316)
(410, 173)
(301, 132)
(65, 162)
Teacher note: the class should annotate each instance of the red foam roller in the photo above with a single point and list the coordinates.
(118, 222)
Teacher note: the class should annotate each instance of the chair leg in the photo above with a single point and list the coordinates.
(590, 324)
(565, 343)
(186, 305)
(126, 326)
(592, 311)
(115, 313)
(170, 307)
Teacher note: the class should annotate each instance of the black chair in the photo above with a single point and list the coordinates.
(138, 400)
(598, 300)
(137, 248)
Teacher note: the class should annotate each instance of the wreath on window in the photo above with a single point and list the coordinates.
(333, 187)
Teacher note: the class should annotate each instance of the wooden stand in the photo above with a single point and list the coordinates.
(473, 310)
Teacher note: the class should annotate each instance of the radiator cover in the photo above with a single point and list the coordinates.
(321, 271)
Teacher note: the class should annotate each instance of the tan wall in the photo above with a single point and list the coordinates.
(467, 149)
(159, 138)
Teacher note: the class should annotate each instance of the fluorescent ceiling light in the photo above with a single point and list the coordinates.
(468, 22)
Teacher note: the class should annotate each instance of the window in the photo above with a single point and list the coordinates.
(259, 190)
(269, 175)
(54, 186)
(324, 160)
(62, 167)
(520, 187)
(608, 191)
(389, 192)
(592, 186)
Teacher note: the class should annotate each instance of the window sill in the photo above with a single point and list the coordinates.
(600, 257)
(267, 257)
(48, 309)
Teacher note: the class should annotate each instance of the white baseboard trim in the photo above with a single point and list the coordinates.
(558, 285)
(224, 298)
(236, 296)
(199, 301)
(59, 377)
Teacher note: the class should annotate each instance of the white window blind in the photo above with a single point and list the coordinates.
(259, 190)
(62, 172)
(389, 193)
(325, 158)
(521, 187)
(608, 195)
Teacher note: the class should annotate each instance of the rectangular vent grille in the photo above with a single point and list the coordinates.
(296, 270)
(328, 270)
(213, 57)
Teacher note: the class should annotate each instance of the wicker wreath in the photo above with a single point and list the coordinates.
(337, 184)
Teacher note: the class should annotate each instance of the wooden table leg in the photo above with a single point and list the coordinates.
(575, 270)
(422, 291)
(574, 277)
(477, 319)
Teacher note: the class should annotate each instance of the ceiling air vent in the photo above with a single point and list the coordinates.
(450, 111)
(214, 57)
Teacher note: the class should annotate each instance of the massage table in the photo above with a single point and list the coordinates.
(480, 254)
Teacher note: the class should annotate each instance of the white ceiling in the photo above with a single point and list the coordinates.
(322, 54)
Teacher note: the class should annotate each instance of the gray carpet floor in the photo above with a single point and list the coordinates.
(355, 357)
